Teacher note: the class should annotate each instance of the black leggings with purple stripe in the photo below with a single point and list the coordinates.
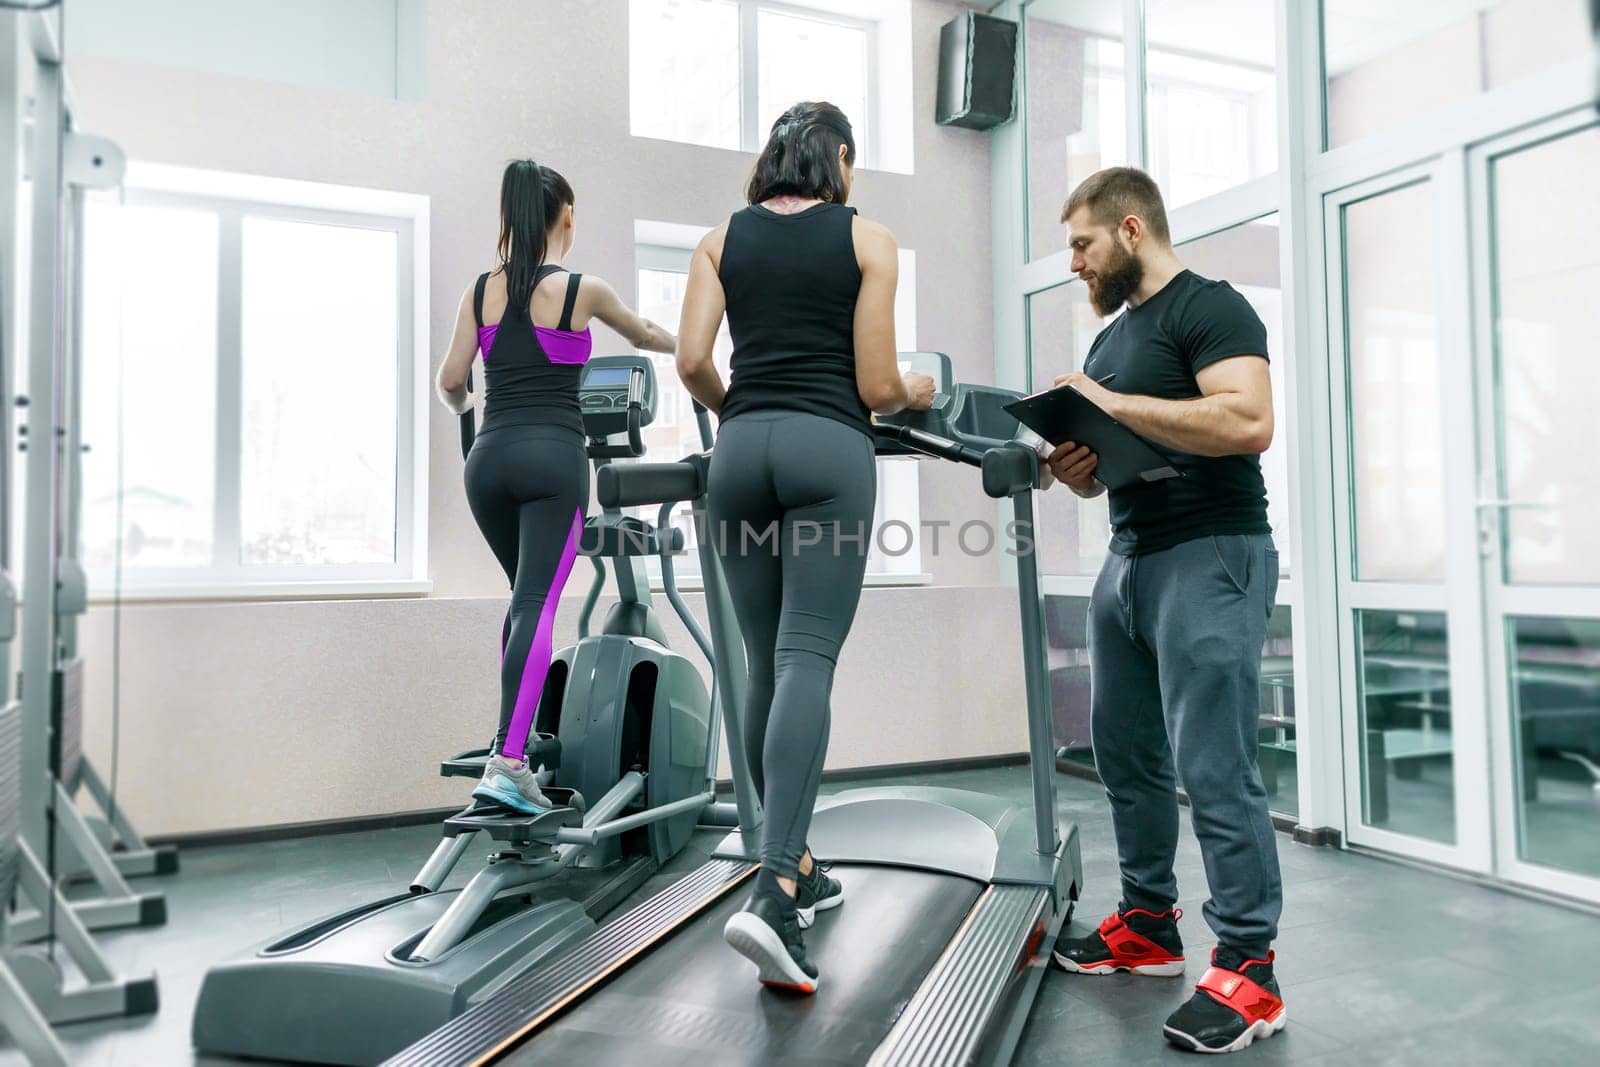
(527, 487)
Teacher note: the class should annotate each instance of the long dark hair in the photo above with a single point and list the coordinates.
(531, 200)
(802, 155)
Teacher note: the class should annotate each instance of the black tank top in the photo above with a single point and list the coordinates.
(791, 283)
(526, 388)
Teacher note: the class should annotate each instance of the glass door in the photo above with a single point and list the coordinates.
(1536, 270)
(1416, 754)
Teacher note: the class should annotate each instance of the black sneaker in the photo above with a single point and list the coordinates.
(816, 892)
(1132, 939)
(1236, 1001)
(767, 933)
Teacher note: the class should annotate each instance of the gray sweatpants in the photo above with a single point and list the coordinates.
(1175, 652)
(790, 502)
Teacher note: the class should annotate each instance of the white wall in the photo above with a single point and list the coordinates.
(259, 714)
(246, 714)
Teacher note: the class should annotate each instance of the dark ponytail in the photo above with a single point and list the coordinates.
(802, 156)
(531, 201)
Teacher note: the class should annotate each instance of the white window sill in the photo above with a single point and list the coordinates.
(248, 591)
(890, 581)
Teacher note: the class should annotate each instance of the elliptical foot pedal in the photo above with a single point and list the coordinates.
(503, 824)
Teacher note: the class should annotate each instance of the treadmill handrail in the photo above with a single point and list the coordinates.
(984, 444)
(927, 443)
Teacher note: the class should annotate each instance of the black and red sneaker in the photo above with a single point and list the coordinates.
(1132, 939)
(1235, 1002)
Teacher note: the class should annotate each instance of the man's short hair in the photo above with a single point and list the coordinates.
(1113, 194)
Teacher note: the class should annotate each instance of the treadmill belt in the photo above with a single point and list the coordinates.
(693, 1001)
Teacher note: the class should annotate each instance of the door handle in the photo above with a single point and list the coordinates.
(1488, 526)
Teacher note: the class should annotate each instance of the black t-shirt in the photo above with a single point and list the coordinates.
(1156, 349)
(791, 283)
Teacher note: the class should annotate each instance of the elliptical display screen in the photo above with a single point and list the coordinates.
(607, 378)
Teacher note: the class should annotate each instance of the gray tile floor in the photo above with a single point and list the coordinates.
(1380, 963)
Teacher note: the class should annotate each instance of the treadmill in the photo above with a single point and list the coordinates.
(952, 897)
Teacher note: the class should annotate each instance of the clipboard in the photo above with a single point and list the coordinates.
(1125, 459)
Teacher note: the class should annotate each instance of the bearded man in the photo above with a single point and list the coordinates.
(1179, 612)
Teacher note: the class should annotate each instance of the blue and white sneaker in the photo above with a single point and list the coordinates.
(513, 784)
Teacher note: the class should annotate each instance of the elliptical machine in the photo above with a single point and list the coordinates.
(623, 720)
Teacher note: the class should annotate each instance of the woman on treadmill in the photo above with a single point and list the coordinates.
(528, 473)
(808, 287)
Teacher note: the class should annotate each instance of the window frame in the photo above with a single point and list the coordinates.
(233, 197)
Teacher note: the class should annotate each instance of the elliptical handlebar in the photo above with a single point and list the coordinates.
(702, 419)
(669, 583)
(469, 421)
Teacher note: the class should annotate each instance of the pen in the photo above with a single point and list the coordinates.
(1107, 378)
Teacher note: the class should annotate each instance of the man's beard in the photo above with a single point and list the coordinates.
(1117, 282)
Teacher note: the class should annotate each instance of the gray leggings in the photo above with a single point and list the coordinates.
(790, 504)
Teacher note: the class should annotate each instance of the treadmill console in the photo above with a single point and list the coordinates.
(935, 365)
(971, 415)
(607, 386)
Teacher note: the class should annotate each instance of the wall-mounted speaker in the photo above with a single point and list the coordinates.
(977, 71)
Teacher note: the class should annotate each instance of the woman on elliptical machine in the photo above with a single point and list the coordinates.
(808, 288)
(527, 475)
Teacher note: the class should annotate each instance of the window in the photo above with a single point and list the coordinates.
(1210, 97)
(1210, 101)
(803, 57)
(720, 72)
(662, 275)
(1408, 782)
(1555, 708)
(149, 386)
(1395, 424)
(325, 497)
(1076, 106)
(254, 386)
(693, 46)
(1388, 62)
(1545, 272)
